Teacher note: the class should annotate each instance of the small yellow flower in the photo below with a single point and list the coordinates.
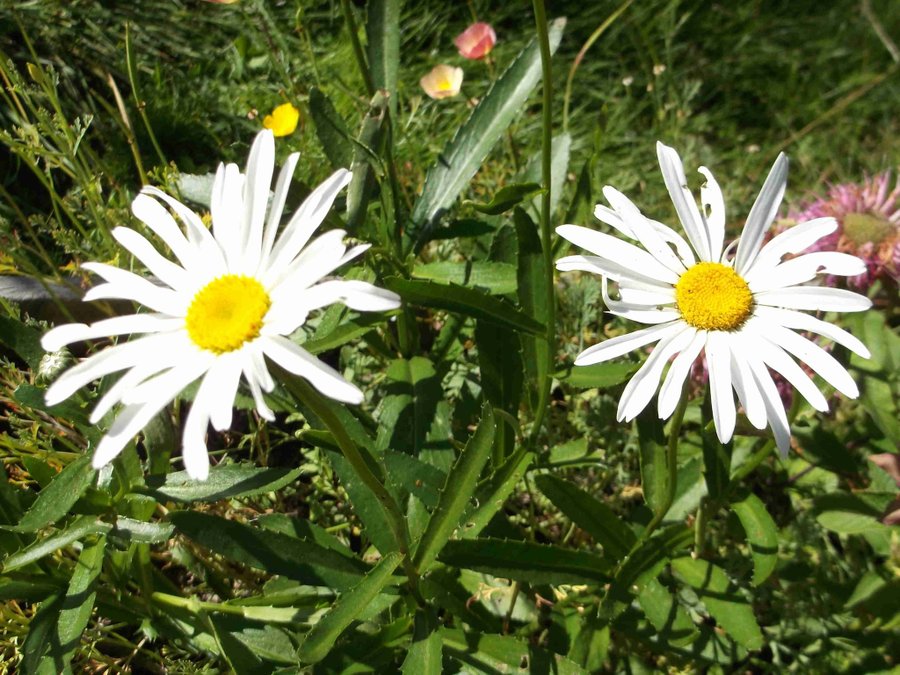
(283, 120)
(442, 82)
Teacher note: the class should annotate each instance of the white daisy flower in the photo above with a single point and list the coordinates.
(739, 306)
(228, 303)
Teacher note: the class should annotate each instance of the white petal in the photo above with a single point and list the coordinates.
(718, 363)
(794, 240)
(225, 376)
(763, 212)
(643, 384)
(319, 259)
(774, 408)
(641, 314)
(617, 251)
(646, 297)
(778, 360)
(277, 209)
(685, 206)
(60, 336)
(260, 166)
(304, 222)
(623, 344)
(165, 270)
(213, 259)
(615, 271)
(800, 321)
(193, 441)
(124, 285)
(742, 345)
(714, 213)
(320, 375)
(155, 216)
(610, 217)
(802, 269)
(164, 348)
(257, 364)
(226, 207)
(812, 355)
(643, 230)
(184, 371)
(261, 407)
(672, 386)
(814, 298)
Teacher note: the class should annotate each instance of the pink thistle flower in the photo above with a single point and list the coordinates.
(868, 217)
(476, 41)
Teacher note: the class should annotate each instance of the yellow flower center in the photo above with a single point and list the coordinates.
(711, 296)
(227, 312)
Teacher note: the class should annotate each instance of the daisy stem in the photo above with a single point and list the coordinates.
(671, 466)
(363, 466)
(540, 18)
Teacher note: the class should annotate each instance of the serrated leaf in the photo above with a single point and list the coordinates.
(140, 532)
(729, 609)
(225, 481)
(493, 493)
(531, 276)
(590, 514)
(466, 151)
(597, 376)
(462, 228)
(500, 366)
(415, 477)
(348, 607)
(505, 198)
(851, 513)
(463, 300)
(503, 654)
(346, 332)
(30, 588)
(55, 501)
(425, 654)
(383, 33)
(270, 551)
(496, 278)
(408, 409)
(762, 535)
(331, 130)
(365, 160)
(24, 340)
(77, 529)
(457, 491)
(669, 618)
(247, 644)
(300, 528)
(526, 561)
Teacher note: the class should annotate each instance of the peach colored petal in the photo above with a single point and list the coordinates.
(442, 82)
(476, 41)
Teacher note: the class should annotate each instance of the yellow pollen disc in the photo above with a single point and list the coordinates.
(711, 296)
(227, 312)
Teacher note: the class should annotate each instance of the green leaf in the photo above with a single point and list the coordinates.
(496, 278)
(332, 131)
(366, 161)
(463, 300)
(75, 530)
(878, 397)
(75, 610)
(590, 514)
(493, 493)
(33, 397)
(597, 376)
(55, 501)
(425, 654)
(301, 528)
(40, 633)
(531, 275)
(559, 169)
(500, 365)
(272, 552)
(383, 33)
(246, 644)
(762, 535)
(669, 618)
(462, 228)
(140, 532)
(346, 332)
(731, 611)
(457, 491)
(348, 607)
(225, 481)
(415, 477)
(24, 340)
(408, 409)
(851, 514)
(505, 198)
(30, 588)
(466, 151)
(654, 469)
(525, 561)
(503, 654)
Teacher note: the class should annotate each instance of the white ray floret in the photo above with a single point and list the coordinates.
(736, 305)
(225, 303)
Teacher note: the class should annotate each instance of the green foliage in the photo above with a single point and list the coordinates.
(438, 526)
